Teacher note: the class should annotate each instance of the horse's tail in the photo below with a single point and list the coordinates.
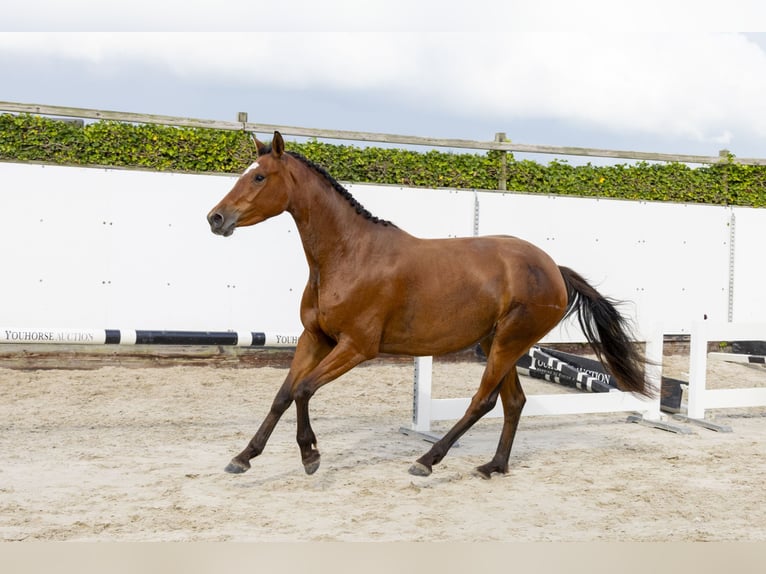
(608, 333)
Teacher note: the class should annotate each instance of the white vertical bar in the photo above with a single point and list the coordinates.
(421, 408)
(654, 344)
(697, 370)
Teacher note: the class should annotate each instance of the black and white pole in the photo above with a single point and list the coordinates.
(147, 337)
(541, 364)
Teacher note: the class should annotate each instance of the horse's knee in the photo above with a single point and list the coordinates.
(517, 401)
(302, 392)
(485, 405)
(282, 401)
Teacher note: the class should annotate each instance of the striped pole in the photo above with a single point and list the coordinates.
(147, 337)
(540, 364)
(588, 375)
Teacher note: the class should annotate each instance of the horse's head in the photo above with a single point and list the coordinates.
(258, 194)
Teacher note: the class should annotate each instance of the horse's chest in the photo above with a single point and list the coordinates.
(329, 301)
(336, 303)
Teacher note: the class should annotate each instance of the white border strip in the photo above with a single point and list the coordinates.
(54, 336)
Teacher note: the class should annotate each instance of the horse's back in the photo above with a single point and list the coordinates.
(514, 262)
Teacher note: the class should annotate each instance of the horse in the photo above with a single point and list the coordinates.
(373, 288)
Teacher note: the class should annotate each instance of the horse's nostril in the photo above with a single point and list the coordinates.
(216, 220)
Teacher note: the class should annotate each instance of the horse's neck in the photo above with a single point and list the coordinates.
(329, 226)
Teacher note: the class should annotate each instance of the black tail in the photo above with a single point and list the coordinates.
(608, 333)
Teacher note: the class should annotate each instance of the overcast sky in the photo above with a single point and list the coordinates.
(683, 77)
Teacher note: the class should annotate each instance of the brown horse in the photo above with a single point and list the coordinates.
(374, 288)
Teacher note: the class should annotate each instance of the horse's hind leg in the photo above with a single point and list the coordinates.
(501, 360)
(512, 396)
(482, 402)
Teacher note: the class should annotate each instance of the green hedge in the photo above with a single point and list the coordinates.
(105, 143)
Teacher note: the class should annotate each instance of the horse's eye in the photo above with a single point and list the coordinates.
(259, 178)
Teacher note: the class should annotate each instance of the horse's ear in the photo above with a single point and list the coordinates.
(277, 145)
(260, 147)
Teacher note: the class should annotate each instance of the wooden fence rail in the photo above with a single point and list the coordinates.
(499, 143)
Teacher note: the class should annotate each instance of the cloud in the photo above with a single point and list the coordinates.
(699, 86)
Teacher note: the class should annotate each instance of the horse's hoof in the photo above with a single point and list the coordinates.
(485, 471)
(482, 473)
(420, 469)
(237, 467)
(311, 464)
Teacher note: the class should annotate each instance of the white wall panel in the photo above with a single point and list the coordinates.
(749, 273)
(669, 262)
(96, 248)
(128, 249)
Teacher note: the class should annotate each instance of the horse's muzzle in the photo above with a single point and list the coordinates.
(220, 224)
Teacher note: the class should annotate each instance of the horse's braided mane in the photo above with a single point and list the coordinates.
(337, 187)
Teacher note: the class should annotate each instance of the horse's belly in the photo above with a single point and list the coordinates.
(437, 330)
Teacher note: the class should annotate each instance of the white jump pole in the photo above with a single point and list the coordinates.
(700, 397)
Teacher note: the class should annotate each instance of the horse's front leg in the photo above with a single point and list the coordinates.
(311, 349)
(340, 360)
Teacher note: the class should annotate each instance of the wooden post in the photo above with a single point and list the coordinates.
(723, 156)
(502, 182)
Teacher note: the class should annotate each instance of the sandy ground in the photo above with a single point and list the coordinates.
(119, 454)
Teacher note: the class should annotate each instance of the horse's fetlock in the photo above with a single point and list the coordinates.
(307, 438)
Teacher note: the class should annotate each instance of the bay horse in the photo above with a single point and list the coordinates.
(374, 288)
